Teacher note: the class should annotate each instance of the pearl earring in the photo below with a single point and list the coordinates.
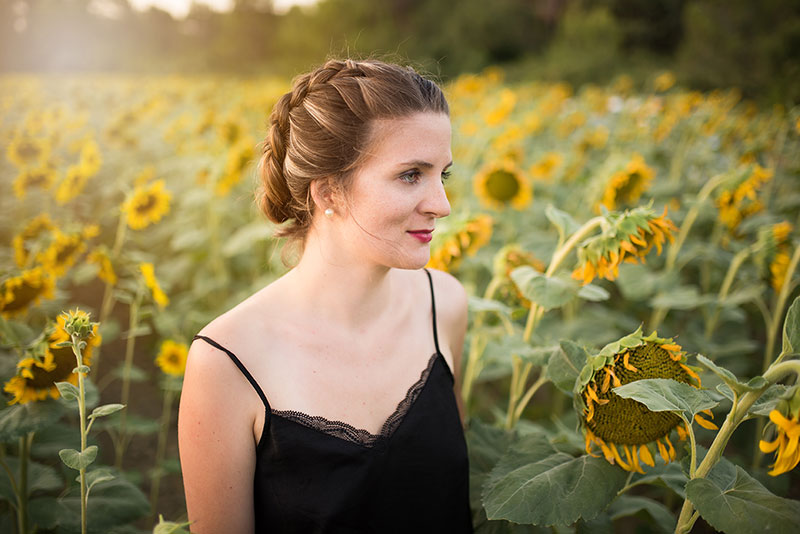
(329, 213)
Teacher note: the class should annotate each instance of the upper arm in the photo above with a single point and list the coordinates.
(215, 442)
(453, 321)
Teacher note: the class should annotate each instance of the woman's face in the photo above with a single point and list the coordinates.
(397, 194)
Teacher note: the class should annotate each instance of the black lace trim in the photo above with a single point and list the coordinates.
(348, 432)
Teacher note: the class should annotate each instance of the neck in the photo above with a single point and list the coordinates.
(337, 289)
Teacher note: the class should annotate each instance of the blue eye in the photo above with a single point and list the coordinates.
(410, 177)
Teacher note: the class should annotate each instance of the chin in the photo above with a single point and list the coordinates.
(411, 263)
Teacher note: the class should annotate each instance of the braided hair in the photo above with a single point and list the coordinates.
(322, 128)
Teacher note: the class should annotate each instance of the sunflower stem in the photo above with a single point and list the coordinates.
(693, 462)
(163, 431)
(120, 236)
(735, 416)
(82, 417)
(516, 363)
(777, 314)
(474, 363)
(22, 493)
(558, 257)
(120, 444)
(738, 259)
(528, 395)
(658, 314)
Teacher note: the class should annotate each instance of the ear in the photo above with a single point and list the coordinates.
(326, 194)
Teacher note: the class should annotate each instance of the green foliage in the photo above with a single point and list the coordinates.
(18, 420)
(78, 460)
(565, 365)
(791, 329)
(667, 395)
(114, 503)
(732, 501)
(547, 292)
(532, 483)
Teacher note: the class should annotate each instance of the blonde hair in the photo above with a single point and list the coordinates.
(322, 127)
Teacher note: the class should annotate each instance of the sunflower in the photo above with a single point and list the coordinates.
(91, 159)
(779, 267)
(610, 421)
(475, 233)
(37, 376)
(627, 185)
(501, 183)
(571, 122)
(105, 272)
(502, 109)
(231, 131)
(34, 228)
(19, 292)
(26, 151)
(239, 157)
(596, 138)
(146, 205)
(150, 281)
(786, 444)
(742, 201)
(172, 357)
(546, 166)
(506, 260)
(62, 252)
(664, 82)
(73, 183)
(30, 178)
(628, 237)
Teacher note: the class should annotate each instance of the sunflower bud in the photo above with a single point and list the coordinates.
(77, 324)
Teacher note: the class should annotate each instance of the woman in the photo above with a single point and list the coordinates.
(326, 401)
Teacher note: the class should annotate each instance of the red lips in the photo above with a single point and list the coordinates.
(423, 235)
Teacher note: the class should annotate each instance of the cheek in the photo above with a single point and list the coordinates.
(387, 210)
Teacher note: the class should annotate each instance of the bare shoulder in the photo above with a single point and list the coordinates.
(451, 298)
(215, 433)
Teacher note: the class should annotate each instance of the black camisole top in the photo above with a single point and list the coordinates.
(313, 475)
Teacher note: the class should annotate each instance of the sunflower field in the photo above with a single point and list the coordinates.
(631, 253)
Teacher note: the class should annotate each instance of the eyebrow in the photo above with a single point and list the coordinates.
(422, 164)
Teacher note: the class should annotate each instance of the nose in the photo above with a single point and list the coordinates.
(435, 202)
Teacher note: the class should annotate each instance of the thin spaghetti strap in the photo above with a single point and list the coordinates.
(433, 309)
(241, 367)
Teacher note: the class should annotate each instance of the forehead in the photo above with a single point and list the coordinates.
(422, 136)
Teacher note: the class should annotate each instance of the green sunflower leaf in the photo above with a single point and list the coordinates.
(19, 419)
(68, 391)
(113, 503)
(628, 505)
(547, 292)
(668, 475)
(106, 409)
(562, 220)
(667, 395)
(169, 527)
(565, 365)
(754, 384)
(534, 485)
(593, 293)
(681, 298)
(477, 304)
(739, 503)
(791, 329)
(78, 460)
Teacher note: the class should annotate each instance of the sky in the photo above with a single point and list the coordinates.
(180, 8)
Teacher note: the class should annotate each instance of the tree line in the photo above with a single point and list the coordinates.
(706, 43)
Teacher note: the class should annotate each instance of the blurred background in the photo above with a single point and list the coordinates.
(706, 43)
